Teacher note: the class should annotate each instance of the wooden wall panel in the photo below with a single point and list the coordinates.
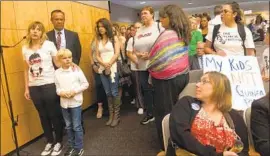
(35, 128)
(29, 11)
(85, 42)
(87, 101)
(107, 14)
(82, 18)
(7, 15)
(23, 129)
(95, 18)
(65, 6)
(4, 112)
(3, 88)
(12, 56)
(7, 143)
(16, 86)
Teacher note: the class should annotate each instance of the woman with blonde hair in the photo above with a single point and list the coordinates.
(207, 125)
(39, 55)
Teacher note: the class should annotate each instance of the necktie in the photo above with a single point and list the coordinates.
(58, 40)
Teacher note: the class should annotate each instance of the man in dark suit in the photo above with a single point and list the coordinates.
(63, 38)
(196, 61)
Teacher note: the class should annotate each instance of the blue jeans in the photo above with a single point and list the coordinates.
(72, 117)
(110, 88)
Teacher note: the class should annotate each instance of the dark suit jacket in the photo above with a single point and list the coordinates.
(260, 125)
(72, 43)
(193, 62)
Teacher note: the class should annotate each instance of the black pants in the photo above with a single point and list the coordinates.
(46, 102)
(166, 94)
(147, 91)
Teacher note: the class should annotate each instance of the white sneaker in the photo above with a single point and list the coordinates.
(57, 149)
(47, 150)
(133, 102)
(140, 111)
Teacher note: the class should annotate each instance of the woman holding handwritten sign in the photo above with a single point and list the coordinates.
(207, 125)
(231, 37)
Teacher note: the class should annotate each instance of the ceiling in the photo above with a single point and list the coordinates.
(255, 5)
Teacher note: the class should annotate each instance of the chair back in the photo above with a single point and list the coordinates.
(247, 119)
(247, 114)
(266, 86)
(195, 75)
(166, 131)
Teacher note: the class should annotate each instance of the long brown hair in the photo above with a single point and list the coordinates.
(178, 21)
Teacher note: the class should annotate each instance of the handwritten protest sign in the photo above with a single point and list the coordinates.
(244, 75)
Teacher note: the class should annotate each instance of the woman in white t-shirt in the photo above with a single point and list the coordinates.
(228, 40)
(107, 53)
(138, 52)
(38, 54)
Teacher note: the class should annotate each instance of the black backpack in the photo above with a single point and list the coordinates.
(241, 32)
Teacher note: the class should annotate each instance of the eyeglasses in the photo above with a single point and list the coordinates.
(200, 48)
(203, 81)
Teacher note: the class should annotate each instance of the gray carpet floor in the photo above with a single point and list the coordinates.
(127, 139)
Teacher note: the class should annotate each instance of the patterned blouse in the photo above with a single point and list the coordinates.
(220, 136)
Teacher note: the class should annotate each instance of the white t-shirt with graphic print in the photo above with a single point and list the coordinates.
(41, 70)
(229, 40)
(144, 40)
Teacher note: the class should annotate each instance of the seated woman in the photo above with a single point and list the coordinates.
(260, 125)
(206, 125)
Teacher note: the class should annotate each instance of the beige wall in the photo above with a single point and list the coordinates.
(15, 18)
